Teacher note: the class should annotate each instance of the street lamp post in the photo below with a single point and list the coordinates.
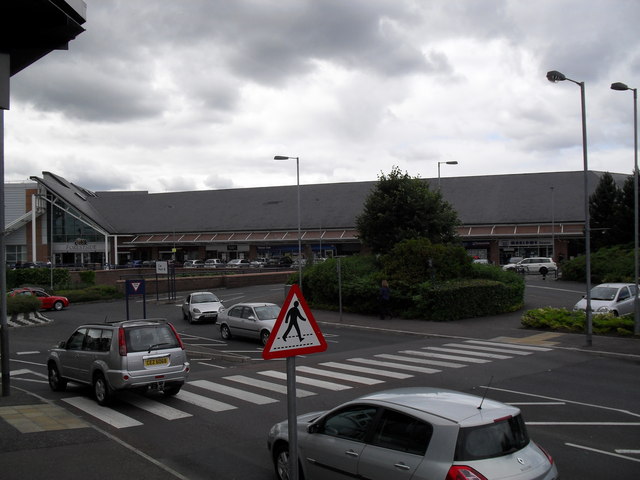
(555, 76)
(451, 162)
(636, 303)
(553, 225)
(297, 159)
(291, 361)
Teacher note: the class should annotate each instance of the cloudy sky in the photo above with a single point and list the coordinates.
(163, 95)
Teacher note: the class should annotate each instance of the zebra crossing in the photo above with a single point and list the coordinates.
(237, 391)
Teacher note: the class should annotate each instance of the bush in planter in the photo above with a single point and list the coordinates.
(574, 321)
(91, 294)
(22, 304)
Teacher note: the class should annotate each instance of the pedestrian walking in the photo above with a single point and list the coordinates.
(384, 299)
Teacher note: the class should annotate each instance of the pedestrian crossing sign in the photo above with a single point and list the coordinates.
(295, 331)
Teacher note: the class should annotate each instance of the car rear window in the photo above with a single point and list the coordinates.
(496, 439)
(144, 338)
(267, 312)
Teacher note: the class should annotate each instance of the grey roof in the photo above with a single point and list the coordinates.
(480, 200)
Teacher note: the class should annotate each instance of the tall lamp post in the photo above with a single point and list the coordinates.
(291, 361)
(555, 76)
(451, 162)
(636, 304)
(297, 159)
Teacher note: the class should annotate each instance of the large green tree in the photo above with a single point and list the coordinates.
(604, 207)
(402, 207)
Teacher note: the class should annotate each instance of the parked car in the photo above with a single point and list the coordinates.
(258, 263)
(253, 320)
(418, 433)
(214, 263)
(615, 298)
(201, 306)
(193, 264)
(542, 265)
(124, 355)
(238, 263)
(47, 302)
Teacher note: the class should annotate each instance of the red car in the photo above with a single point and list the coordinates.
(48, 302)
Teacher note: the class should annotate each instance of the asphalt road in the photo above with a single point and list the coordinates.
(581, 406)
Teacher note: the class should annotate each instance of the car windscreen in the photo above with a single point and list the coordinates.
(496, 439)
(204, 298)
(144, 338)
(603, 293)
(267, 312)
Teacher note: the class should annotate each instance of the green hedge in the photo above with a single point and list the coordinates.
(561, 319)
(22, 304)
(38, 276)
(613, 264)
(91, 294)
(421, 291)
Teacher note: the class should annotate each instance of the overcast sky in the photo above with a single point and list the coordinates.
(201, 94)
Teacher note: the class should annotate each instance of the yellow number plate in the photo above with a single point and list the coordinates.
(152, 362)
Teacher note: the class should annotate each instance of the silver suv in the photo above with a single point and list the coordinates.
(130, 354)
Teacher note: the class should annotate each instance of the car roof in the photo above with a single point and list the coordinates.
(127, 323)
(253, 304)
(461, 408)
(614, 285)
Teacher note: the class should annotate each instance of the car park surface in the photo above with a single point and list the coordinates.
(132, 354)
(201, 307)
(418, 433)
(615, 298)
(252, 320)
(47, 301)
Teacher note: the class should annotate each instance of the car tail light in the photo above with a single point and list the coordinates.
(549, 457)
(177, 336)
(122, 343)
(462, 472)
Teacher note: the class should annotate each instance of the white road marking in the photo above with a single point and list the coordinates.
(27, 353)
(233, 392)
(459, 351)
(340, 376)
(604, 452)
(451, 357)
(307, 381)
(104, 414)
(422, 361)
(203, 402)
(511, 346)
(274, 387)
(371, 371)
(588, 424)
(535, 403)
(623, 450)
(488, 349)
(399, 366)
(26, 371)
(152, 406)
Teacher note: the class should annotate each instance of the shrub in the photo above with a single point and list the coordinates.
(92, 294)
(574, 321)
(88, 277)
(37, 276)
(613, 264)
(22, 304)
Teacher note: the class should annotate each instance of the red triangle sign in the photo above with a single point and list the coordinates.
(295, 331)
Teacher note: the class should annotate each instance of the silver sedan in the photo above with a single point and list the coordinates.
(253, 320)
(201, 306)
(413, 433)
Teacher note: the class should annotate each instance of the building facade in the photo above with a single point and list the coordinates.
(502, 216)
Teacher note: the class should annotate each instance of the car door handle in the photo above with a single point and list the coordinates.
(351, 453)
(402, 466)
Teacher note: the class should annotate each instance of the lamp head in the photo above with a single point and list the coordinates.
(452, 162)
(555, 76)
(619, 86)
(280, 157)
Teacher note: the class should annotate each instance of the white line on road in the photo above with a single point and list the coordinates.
(451, 357)
(604, 452)
(105, 414)
(372, 371)
(151, 406)
(488, 349)
(535, 403)
(588, 424)
(203, 402)
(510, 345)
(340, 376)
(27, 353)
(233, 392)
(274, 387)
(399, 366)
(307, 381)
(469, 352)
(422, 361)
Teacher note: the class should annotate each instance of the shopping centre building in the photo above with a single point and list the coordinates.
(501, 216)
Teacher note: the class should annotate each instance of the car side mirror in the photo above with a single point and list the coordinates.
(251, 317)
(62, 344)
(313, 428)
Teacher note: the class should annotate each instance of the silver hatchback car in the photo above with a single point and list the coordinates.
(201, 306)
(131, 354)
(416, 433)
(253, 320)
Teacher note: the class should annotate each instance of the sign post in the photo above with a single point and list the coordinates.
(294, 333)
(136, 287)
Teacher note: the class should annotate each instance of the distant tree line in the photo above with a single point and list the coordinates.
(611, 210)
